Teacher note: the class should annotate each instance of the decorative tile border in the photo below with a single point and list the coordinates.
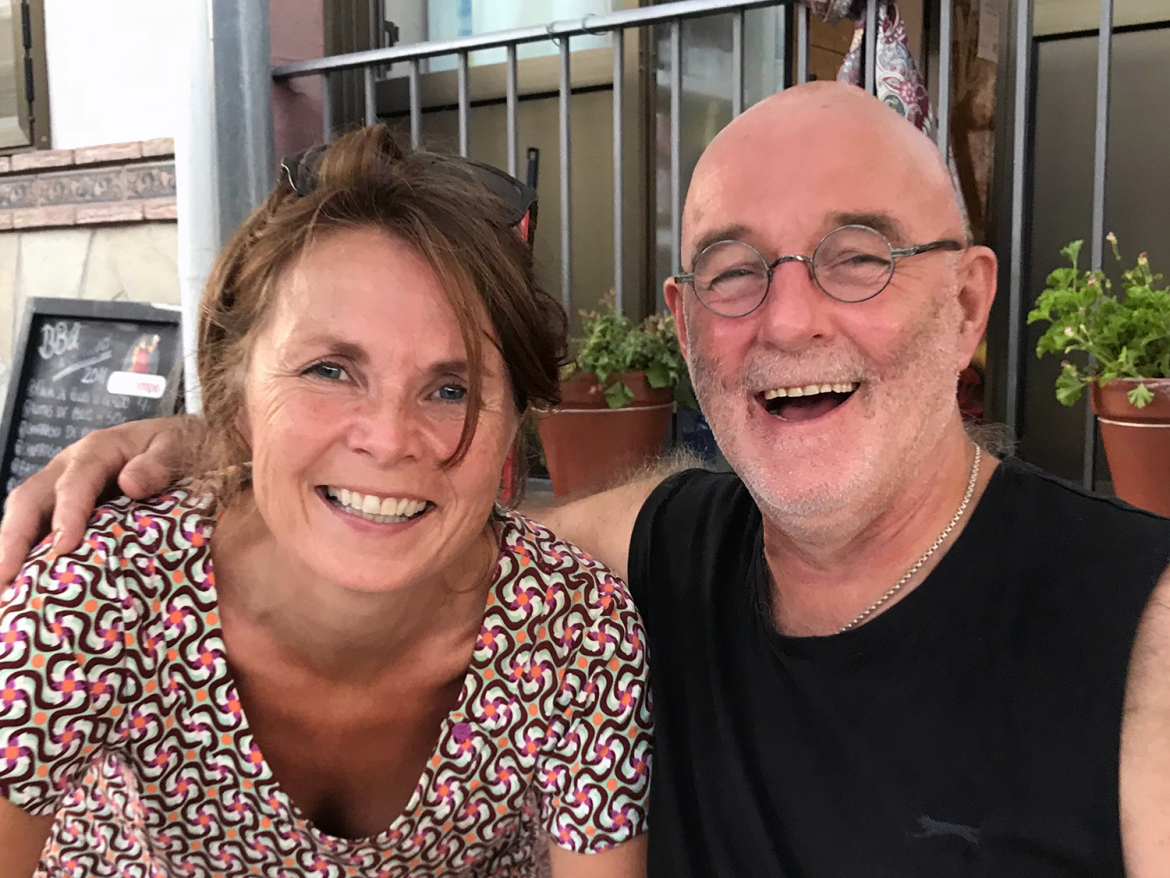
(116, 183)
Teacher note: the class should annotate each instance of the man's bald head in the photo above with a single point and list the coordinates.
(832, 147)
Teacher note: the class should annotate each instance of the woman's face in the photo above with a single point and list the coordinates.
(356, 392)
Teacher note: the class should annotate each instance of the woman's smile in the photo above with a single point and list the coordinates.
(376, 508)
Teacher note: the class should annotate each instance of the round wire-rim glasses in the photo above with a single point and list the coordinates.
(852, 263)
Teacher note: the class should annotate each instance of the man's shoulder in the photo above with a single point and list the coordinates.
(1079, 561)
(1079, 520)
(694, 490)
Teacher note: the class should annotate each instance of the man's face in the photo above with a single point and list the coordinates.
(888, 364)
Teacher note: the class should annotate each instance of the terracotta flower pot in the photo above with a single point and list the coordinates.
(1137, 441)
(588, 445)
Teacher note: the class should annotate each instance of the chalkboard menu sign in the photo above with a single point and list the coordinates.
(80, 366)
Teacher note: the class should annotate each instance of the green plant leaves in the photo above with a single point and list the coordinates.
(618, 394)
(1141, 396)
(612, 344)
(1069, 385)
(1128, 336)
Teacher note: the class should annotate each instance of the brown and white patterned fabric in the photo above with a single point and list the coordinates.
(118, 714)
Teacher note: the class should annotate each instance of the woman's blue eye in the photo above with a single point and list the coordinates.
(330, 371)
(452, 393)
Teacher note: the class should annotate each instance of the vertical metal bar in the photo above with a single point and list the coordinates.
(782, 47)
(736, 64)
(565, 96)
(1100, 156)
(463, 131)
(415, 106)
(801, 44)
(675, 141)
(1100, 148)
(371, 95)
(511, 100)
(871, 26)
(1023, 63)
(944, 76)
(326, 109)
(619, 55)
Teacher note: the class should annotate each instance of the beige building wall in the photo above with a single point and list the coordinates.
(132, 262)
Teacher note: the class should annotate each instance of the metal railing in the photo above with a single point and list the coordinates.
(671, 15)
(1014, 192)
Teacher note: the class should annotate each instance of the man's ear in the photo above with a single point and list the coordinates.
(977, 282)
(673, 293)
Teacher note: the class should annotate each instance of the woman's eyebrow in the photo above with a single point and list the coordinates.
(450, 367)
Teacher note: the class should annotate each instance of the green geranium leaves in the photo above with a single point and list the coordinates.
(613, 344)
(1128, 336)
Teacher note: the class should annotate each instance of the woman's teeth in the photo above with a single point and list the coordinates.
(380, 510)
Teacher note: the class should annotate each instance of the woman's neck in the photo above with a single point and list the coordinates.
(336, 631)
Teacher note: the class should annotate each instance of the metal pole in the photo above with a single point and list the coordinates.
(736, 64)
(513, 148)
(566, 169)
(243, 115)
(801, 44)
(415, 106)
(223, 146)
(871, 18)
(326, 109)
(463, 131)
(619, 53)
(371, 96)
(675, 140)
(1020, 121)
(944, 76)
(782, 47)
(1100, 156)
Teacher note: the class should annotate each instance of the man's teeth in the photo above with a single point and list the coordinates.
(810, 390)
(381, 510)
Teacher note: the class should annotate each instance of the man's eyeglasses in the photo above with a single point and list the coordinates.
(300, 172)
(850, 264)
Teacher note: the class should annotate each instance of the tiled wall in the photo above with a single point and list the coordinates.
(95, 223)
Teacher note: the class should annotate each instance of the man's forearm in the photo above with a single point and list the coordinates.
(602, 522)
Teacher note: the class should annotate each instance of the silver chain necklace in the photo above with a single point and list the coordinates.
(880, 602)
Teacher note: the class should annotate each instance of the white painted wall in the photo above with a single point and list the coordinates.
(113, 69)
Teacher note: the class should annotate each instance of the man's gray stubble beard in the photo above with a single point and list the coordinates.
(923, 353)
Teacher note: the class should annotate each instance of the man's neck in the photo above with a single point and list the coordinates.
(824, 578)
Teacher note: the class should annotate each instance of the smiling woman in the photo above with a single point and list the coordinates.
(330, 652)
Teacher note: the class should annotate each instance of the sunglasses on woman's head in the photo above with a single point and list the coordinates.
(300, 171)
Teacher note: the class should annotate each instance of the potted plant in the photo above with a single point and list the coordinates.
(1127, 368)
(617, 396)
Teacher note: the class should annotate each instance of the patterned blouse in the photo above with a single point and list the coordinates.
(119, 715)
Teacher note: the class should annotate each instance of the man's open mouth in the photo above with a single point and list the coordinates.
(375, 507)
(806, 402)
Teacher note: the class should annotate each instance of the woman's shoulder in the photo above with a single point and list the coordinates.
(123, 540)
(178, 521)
(537, 564)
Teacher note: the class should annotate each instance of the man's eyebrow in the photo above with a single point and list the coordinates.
(734, 232)
(879, 222)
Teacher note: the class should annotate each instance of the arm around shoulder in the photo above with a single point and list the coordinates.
(1145, 744)
(603, 523)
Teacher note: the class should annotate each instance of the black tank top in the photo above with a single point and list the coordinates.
(973, 729)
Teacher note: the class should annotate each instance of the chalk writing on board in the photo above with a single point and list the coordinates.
(80, 375)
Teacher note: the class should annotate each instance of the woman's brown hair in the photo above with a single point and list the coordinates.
(436, 204)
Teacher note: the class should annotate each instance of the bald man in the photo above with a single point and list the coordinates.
(877, 650)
